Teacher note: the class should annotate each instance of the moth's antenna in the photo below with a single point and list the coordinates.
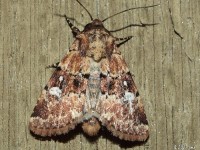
(128, 10)
(134, 25)
(86, 10)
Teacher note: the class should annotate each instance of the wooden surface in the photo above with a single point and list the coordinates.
(165, 60)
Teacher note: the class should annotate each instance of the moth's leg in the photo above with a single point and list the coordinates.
(74, 29)
(124, 40)
(53, 65)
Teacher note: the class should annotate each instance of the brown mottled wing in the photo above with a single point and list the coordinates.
(121, 108)
(59, 108)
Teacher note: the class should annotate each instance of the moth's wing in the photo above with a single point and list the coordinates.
(59, 108)
(121, 108)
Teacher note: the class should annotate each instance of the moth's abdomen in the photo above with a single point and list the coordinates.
(91, 126)
(93, 91)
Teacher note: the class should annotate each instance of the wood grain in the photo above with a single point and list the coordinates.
(165, 60)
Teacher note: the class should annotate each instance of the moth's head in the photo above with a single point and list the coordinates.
(95, 24)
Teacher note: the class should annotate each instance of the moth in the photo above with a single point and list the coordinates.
(92, 86)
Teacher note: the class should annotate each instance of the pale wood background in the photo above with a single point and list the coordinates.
(166, 66)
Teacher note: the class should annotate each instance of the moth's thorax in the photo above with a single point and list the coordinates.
(97, 44)
(95, 41)
(98, 41)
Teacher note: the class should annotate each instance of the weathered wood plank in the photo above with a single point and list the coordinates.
(165, 60)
